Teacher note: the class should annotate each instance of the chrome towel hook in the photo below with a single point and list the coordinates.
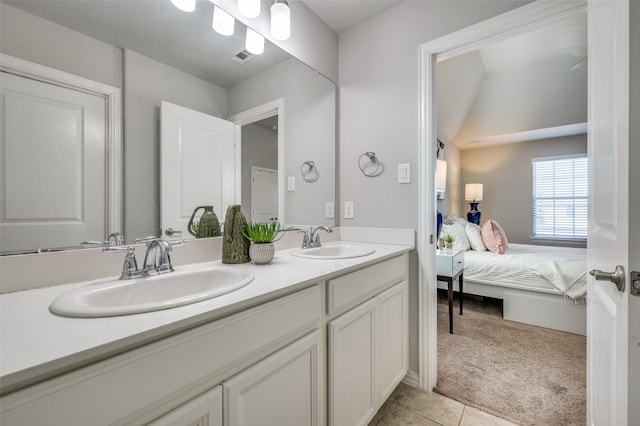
(309, 171)
(370, 168)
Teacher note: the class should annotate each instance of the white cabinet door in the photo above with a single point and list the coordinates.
(284, 389)
(204, 410)
(368, 356)
(352, 353)
(393, 339)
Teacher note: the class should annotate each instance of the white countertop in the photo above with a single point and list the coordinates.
(37, 344)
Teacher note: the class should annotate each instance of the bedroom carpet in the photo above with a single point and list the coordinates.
(525, 374)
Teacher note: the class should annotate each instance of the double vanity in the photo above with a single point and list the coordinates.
(318, 336)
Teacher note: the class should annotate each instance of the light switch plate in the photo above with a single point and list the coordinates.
(291, 183)
(329, 210)
(404, 173)
(348, 210)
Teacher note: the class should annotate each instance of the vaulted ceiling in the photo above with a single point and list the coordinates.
(529, 86)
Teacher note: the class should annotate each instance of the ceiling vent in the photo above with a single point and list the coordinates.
(242, 56)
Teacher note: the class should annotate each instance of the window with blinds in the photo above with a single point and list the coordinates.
(560, 192)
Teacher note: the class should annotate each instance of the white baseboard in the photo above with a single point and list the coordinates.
(412, 379)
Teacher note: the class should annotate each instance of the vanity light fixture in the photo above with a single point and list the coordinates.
(249, 8)
(185, 5)
(223, 23)
(280, 20)
(254, 42)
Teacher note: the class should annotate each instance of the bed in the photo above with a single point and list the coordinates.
(539, 285)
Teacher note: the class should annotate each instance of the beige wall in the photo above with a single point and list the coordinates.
(505, 171)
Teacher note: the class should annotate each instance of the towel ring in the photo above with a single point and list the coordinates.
(311, 174)
(373, 162)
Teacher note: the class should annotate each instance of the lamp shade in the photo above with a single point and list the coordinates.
(280, 20)
(441, 175)
(223, 23)
(185, 5)
(473, 192)
(255, 42)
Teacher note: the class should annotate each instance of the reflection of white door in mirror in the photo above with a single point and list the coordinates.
(197, 166)
(43, 204)
(264, 195)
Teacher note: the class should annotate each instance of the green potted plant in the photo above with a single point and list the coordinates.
(448, 238)
(262, 237)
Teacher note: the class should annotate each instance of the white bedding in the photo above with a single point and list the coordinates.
(517, 267)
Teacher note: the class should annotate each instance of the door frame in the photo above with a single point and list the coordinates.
(113, 124)
(494, 29)
(260, 112)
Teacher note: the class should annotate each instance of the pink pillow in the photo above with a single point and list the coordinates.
(494, 237)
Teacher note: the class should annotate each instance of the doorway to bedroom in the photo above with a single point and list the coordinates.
(518, 351)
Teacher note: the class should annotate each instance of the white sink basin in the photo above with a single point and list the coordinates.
(334, 251)
(122, 297)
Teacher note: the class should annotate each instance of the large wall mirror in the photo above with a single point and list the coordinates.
(156, 53)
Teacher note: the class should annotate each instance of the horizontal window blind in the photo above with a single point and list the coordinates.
(560, 195)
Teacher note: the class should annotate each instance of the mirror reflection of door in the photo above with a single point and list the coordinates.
(44, 205)
(197, 167)
(264, 195)
(260, 152)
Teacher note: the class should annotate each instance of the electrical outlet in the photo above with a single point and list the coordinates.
(329, 210)
(348, 210)
(291, 183)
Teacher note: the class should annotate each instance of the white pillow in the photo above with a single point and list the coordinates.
(474, 235)
(460, 242)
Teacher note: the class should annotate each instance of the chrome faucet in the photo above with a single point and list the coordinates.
(157, 259)
(311, 238)
(115, 239)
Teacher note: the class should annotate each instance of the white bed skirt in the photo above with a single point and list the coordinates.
(536, 306)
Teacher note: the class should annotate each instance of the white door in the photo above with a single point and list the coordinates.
(197, 167)
(44, 127)
(393, 339)
(608, 244)
(204, 410)
(283, 389)
(352, 366)
(264, 195)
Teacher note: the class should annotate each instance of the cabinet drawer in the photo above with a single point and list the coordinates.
(127, 386)
(350, 289)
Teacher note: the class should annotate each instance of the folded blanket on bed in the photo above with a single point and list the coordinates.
(570, 277)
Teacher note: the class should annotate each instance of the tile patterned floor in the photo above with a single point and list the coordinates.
(409, 406)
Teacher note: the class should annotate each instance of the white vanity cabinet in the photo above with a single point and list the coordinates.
(205, 410)
(141, 385)
(284, 389)
(368, 344)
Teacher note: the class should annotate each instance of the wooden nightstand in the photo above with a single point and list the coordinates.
(449, 266)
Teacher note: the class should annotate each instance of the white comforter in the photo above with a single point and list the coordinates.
(535, 267)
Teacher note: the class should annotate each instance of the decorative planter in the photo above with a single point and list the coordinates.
(448, 245)
(261, 253)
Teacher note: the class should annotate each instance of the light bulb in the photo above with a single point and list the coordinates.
(280, 20)
(255, 42)
(249, 8)
(223, 23)
(185, 5)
